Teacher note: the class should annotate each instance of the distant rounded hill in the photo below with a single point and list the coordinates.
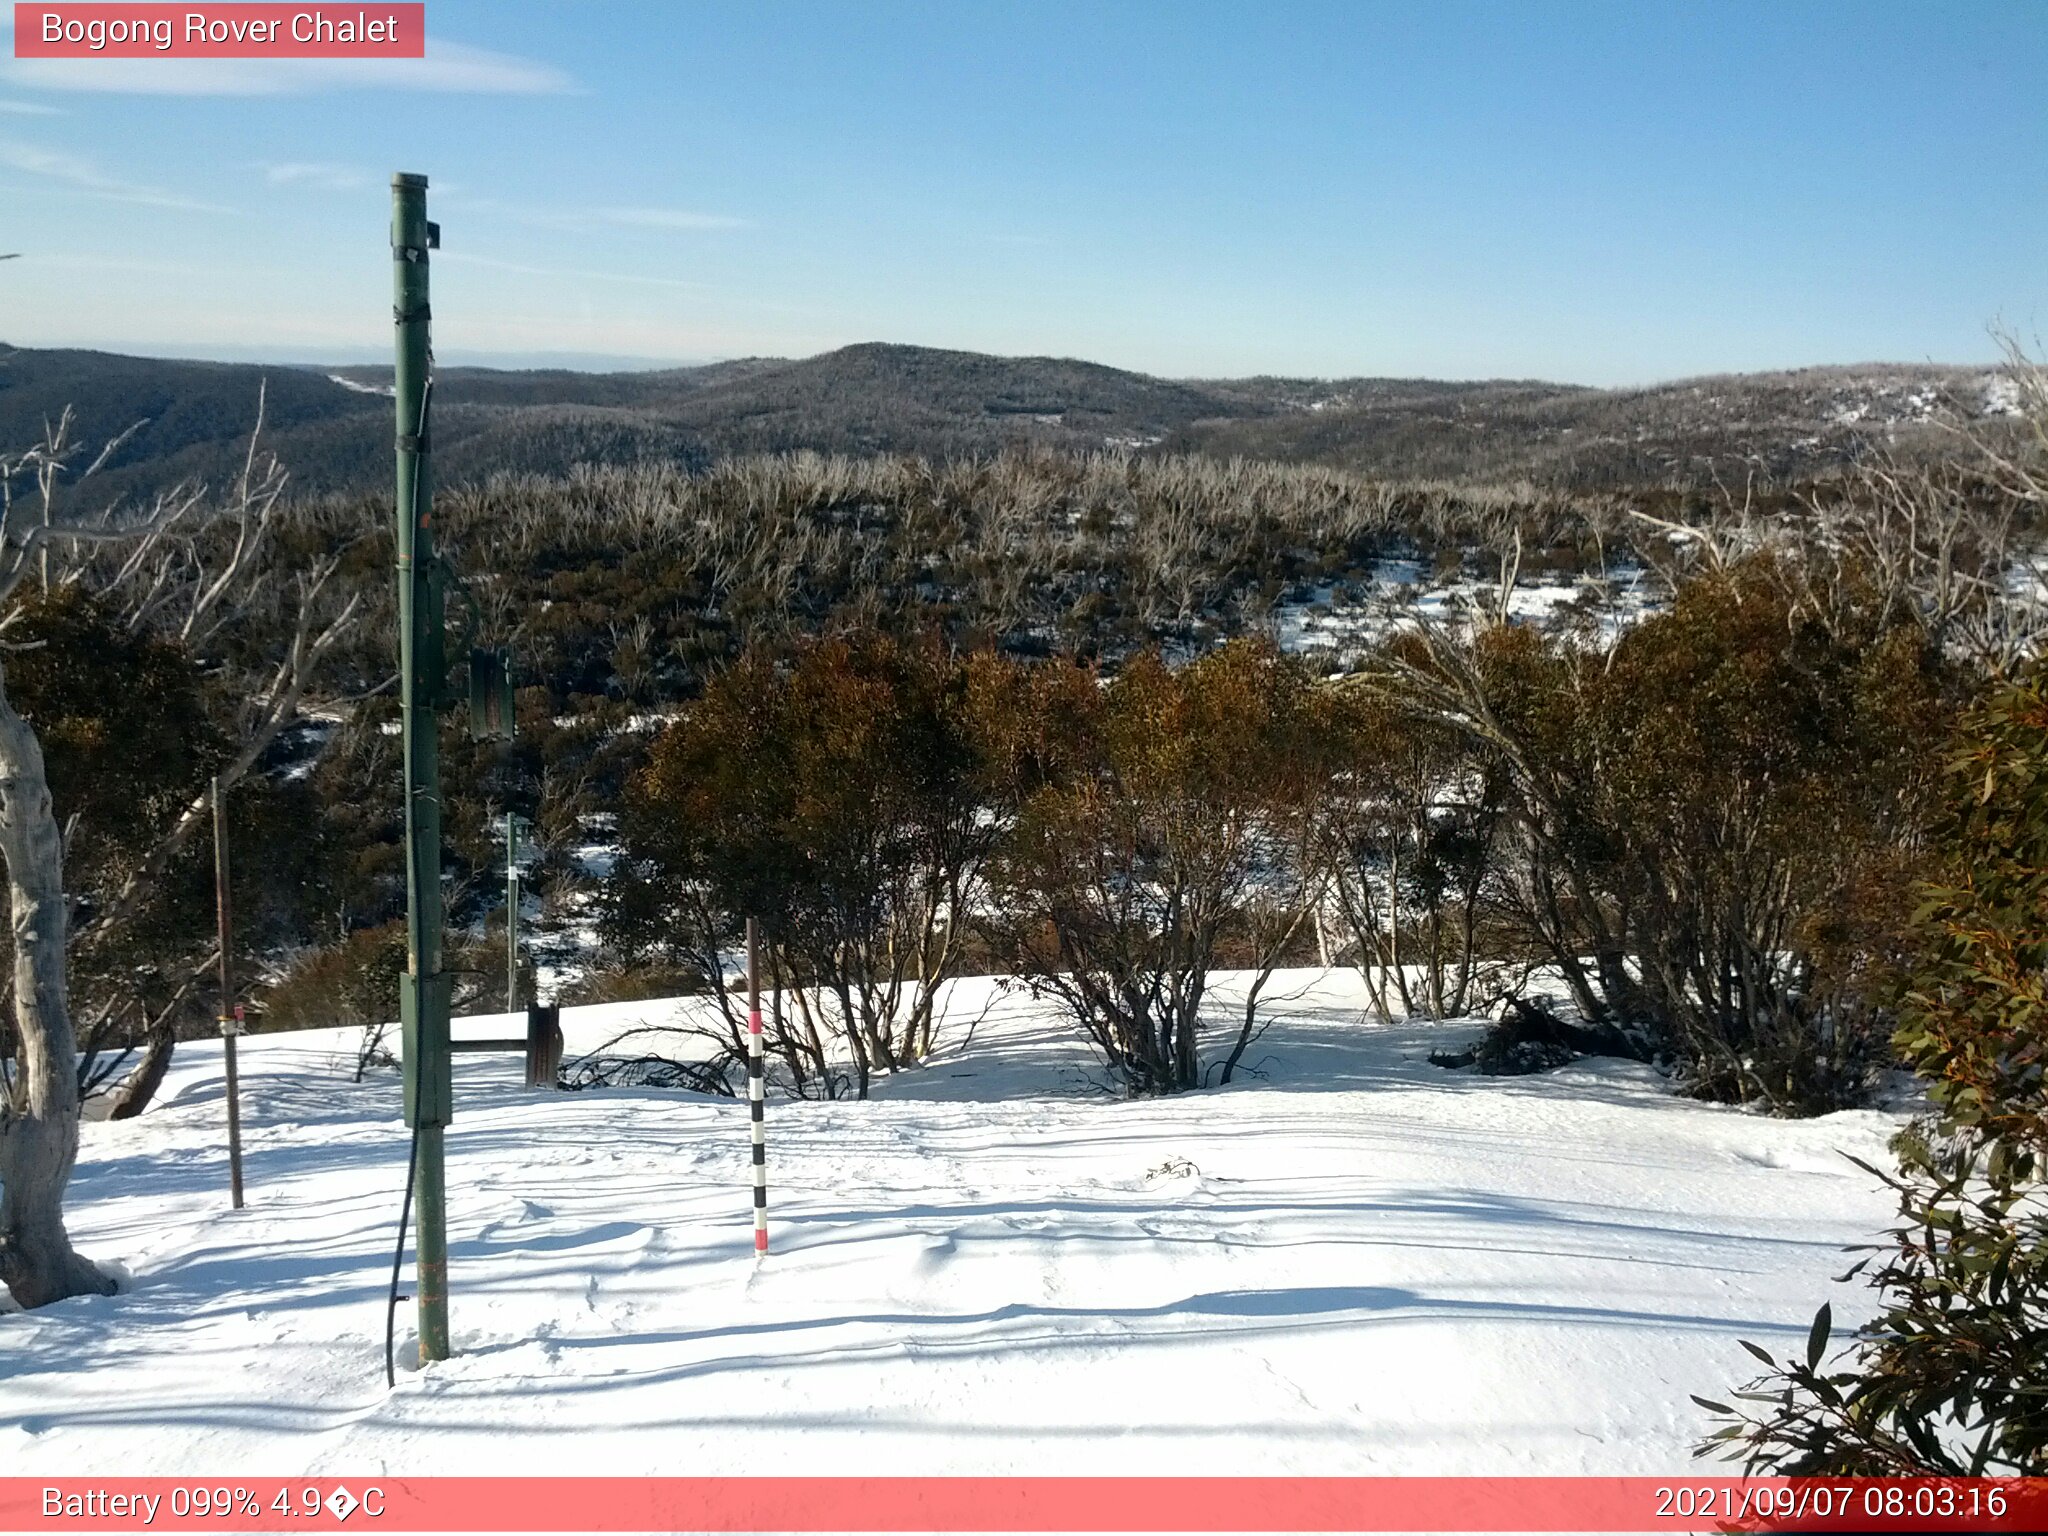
(332, 427)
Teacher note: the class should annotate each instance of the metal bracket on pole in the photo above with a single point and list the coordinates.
(424, 1003)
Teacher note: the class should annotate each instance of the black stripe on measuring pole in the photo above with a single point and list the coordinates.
(757, 1093)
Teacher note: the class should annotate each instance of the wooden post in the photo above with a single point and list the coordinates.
(230, 1012)
(543, 1044)
(756, 1088)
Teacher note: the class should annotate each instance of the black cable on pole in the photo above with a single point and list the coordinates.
(412, 1163)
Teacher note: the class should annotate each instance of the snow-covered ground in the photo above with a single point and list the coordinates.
(1353, 1263)
(1339, 622)
(562, 935)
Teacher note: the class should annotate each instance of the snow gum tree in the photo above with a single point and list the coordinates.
(145, 594)
(1771, 787)
(1711, 823)
(39, 1134)
(94, 689)
(1411, 845)
(1947, 1379)
(1148, 815)
(837, 798)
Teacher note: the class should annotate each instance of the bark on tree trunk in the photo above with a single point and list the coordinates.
(132, 1097)
(140, 1086)
(39, 1141)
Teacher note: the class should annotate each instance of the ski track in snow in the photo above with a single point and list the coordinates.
(1357, 1263)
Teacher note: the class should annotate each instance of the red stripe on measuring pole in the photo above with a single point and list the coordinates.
(757, 1090)
(406, 1503)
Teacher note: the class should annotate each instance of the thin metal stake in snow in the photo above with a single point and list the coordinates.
(512, 911)
(230, 1010)
(756, 1090)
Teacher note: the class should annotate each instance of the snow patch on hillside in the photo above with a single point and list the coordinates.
(387, 390)
(1337, 622)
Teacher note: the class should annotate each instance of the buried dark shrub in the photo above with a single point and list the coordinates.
(1530, 1037)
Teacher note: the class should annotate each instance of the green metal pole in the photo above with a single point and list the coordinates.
(424, 989)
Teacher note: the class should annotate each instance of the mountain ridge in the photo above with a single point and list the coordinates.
(331, 425)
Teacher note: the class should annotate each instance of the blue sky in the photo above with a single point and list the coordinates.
(1599, 193)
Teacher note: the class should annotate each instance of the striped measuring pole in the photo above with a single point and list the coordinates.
(756, 1089)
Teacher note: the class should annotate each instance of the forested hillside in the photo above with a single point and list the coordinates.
(332, 426)
(1507, 640)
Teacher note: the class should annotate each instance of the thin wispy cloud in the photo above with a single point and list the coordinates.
(25, 109)
(668, 218)
(456, 68)
(319, 175)
(87, 262)
(79, 175)
(640, 217)
(728, 298)
(463, 258)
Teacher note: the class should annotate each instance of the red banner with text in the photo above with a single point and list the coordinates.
(389, 1503)
(259, 31)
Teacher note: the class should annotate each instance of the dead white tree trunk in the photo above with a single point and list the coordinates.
(39, 1137)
